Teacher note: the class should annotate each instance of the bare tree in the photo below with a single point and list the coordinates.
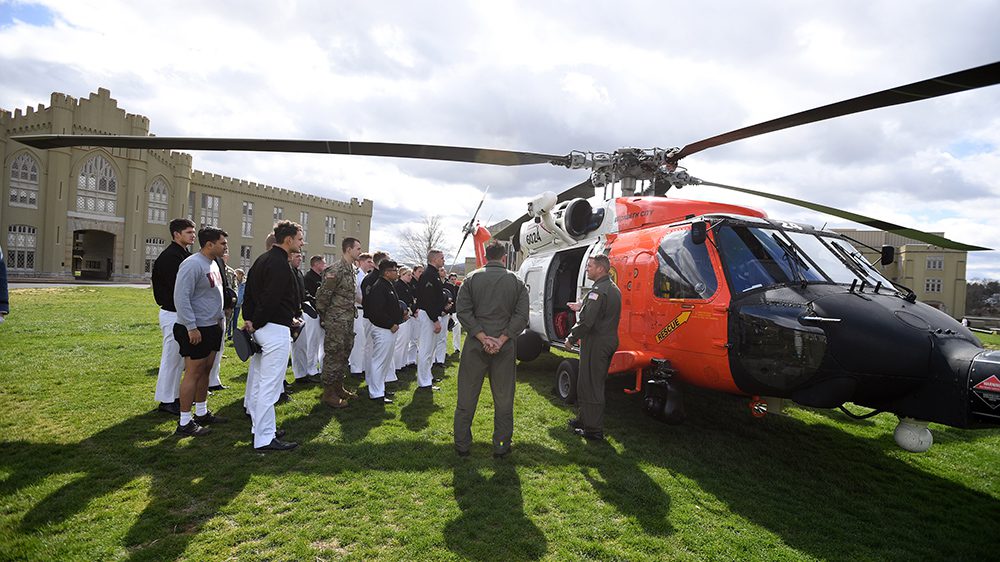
(414, 244)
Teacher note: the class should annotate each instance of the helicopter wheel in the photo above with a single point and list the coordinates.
(664, 401)
(566, 375)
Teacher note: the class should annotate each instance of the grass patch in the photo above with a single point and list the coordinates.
(88, 471)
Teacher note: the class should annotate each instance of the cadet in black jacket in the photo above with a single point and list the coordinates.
(300, 345)
(312, 330)
(404, 290)
(430, 307)
(270, 304)
(382, 309)
(168, 379)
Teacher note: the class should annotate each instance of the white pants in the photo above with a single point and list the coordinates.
(369, 344)
(213, 375)
(456, 334)
(411, 349)
(425, 349)
(168, 379)
(300, 355)
(314, 344)
(267, 371)
(441, 340)
(384, 344)
(402, 344)
(357, 358)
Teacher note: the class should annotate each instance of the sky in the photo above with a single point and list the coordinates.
(549, 77)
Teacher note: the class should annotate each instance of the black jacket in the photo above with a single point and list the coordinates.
(404, 291)
(300, 290)
(313, 282)
(430, 297)
(271, 293)
(165, 274)
(381, 304)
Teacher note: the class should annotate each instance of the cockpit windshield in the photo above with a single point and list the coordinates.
(764, 256)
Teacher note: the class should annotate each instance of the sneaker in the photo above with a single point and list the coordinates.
(192, 429)
(210, 418)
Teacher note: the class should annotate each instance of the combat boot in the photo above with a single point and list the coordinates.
(342, 392)
(331, 399)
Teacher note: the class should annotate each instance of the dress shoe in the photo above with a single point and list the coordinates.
(315, 379)
(277, 445)
(210, 418)
(217, 387)
(172, 408)
(358, 375)
(591, 435)
(279, 433)
(574, 424)
(436, 379)
(430, 387)
(382, 400)
(304, 381)
(192, 429)
(283, 398)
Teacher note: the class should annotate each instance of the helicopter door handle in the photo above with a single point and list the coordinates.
(820, 319)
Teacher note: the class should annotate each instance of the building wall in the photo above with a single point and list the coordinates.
(41, 229)
(936, 275)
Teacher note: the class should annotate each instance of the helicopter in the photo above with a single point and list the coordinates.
(716, 295)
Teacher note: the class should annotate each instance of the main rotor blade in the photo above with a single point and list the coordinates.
(395, 150)
(970, 79)
(861, 219)
(584, 189)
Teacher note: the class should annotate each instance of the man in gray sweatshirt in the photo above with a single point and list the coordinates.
(198, 331)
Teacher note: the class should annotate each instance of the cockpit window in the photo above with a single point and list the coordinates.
(753, 258)
(685, 270)
(761, 257)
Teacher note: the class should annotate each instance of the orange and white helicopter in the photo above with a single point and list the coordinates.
(717, 295)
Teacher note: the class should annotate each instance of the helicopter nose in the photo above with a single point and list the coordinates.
(984, 389)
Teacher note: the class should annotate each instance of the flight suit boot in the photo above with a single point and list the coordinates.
(331, 398)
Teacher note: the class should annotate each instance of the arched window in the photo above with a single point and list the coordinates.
(21, 242)
(158, 202)
(153, 248)
(24, 181)
(97, 187)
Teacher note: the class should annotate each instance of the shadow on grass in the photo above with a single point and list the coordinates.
(824, 492)
(492, 525)
(818, 490)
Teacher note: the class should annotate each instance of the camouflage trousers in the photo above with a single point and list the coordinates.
(337, 345)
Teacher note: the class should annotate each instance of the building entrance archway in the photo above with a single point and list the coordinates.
(93, 254)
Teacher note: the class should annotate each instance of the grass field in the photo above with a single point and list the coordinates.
(89, 472)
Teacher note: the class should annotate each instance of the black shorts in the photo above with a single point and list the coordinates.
(211, 340)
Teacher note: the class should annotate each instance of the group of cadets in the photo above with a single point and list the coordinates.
(364, 313)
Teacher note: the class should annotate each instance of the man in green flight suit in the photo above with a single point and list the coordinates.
(597, 327)
(492, 306)
(337, 310)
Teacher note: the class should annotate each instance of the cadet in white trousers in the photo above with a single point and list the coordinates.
(164, 277)
(431, 302)
(361, 352)
(270, 304)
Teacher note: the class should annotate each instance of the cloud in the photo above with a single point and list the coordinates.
(545, 77)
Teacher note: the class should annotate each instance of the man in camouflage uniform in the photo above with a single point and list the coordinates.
(336, 307)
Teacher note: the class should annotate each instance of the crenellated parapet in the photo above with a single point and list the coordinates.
(242, 186)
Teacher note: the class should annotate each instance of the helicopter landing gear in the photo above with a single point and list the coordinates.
(663, 399)
(758, 407)
(566, 375)
(913, 436)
